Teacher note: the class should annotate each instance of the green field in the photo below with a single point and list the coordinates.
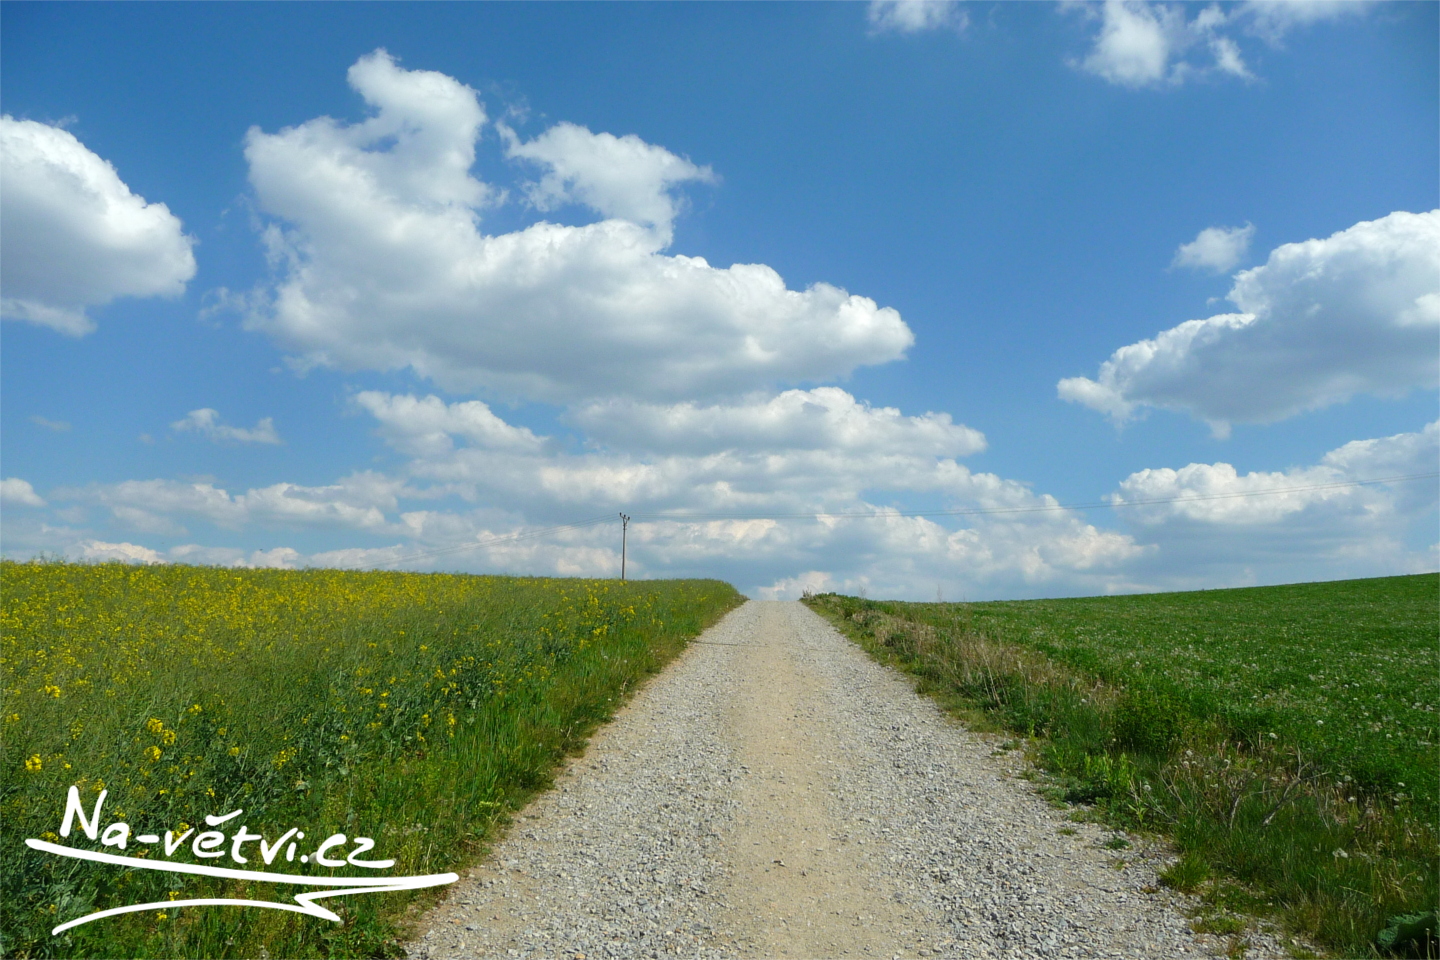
(1284, 736)
(415, 709)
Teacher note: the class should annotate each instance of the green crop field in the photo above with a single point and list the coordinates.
(1348, 671)
(412, 709)
(1284, 736)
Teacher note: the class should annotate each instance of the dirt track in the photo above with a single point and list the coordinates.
(775, 793)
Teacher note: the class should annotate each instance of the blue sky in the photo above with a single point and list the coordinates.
(1002, 257)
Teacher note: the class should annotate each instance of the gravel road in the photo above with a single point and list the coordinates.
(776, 793)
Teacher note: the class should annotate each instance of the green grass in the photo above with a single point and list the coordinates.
(411, 708)
(1285, 737)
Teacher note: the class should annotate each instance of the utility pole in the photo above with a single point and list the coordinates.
(624, 532)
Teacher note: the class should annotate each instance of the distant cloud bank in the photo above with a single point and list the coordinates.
(206, 422)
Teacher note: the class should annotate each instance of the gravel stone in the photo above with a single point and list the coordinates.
(776, 793)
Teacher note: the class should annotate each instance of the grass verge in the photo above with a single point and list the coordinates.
(415, 709)
(1284, 737)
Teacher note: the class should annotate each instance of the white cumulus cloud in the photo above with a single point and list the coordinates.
(59, 426)
(1217, 493)
(285, 558)
(792, 588)
(798, 453)
(750, 517)
(1135, 43)
(384, 266)
(621, 177)
(802, 450)
(423, 426)
(73, 236)
(282, 558)
(206, 422)
(1273, 19)
(1142, 44)
(99, 551)
(18, 493)
(357, 502)
(915, 16)
(825, 418)
(1216, 525)
(1216, 249)
(1320, 322)
(784, 458)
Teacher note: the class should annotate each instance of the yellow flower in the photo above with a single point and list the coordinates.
(34, 763)
(152, 754)
(52, 690)
(168, 737)
(234, 751)
(154, 725)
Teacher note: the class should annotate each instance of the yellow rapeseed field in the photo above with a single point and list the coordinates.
(416, 705)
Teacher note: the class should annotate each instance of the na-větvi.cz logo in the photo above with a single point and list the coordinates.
(245, 849)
